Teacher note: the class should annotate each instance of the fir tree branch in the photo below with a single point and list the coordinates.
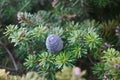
(10, 54)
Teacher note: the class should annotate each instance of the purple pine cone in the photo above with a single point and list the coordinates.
(54, 43)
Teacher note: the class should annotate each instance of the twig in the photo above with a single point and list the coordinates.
(7, 68)
(90, 59)
(25, 6)
(10, 54)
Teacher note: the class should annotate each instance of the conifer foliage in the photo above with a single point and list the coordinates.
(67, 35)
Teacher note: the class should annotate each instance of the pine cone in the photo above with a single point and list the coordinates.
(54, 43)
